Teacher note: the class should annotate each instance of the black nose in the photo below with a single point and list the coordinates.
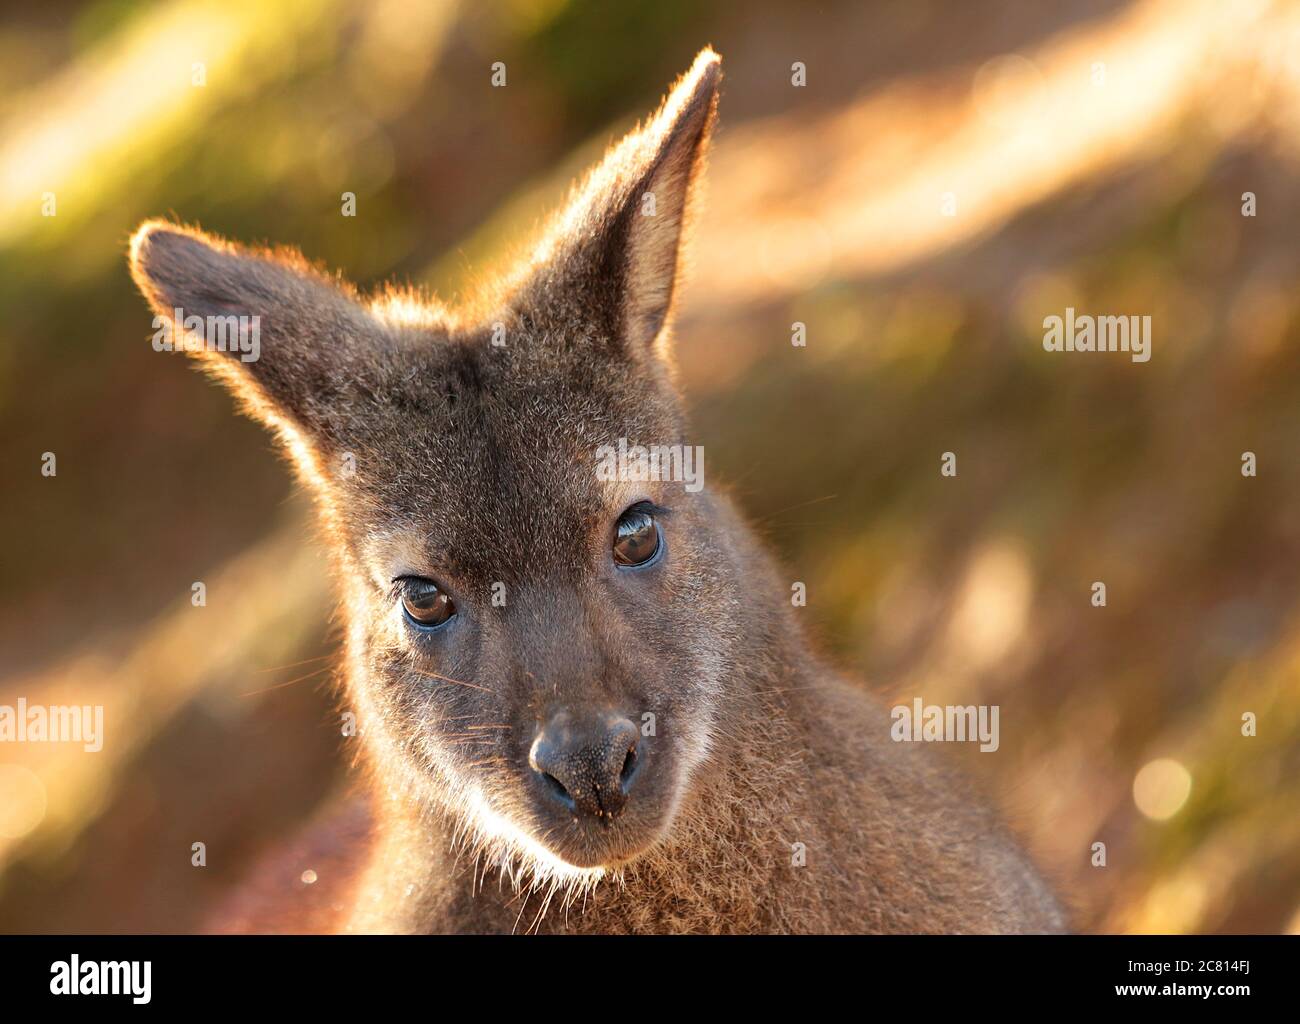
(588, 763)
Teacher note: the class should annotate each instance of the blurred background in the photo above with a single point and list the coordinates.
(1094, 154)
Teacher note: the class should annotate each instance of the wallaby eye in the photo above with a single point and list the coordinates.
(426, 606)
(636, 540)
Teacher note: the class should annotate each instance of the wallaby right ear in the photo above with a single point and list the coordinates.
(276, 331)
(618, 244)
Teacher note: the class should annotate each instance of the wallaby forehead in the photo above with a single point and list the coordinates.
(490, 462)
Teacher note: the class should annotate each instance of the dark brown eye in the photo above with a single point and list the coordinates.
(425, 605)
(636, 541)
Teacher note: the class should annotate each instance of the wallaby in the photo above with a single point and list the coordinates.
(585, 701)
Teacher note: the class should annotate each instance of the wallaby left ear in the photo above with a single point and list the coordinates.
(616, 249)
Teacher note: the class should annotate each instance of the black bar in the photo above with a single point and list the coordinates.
(590, 975)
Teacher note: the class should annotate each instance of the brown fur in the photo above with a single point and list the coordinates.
(474, 466)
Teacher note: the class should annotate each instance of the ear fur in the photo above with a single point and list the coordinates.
(299, 337)
(615, 250)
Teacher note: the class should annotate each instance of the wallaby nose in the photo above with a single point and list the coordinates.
(587, 763)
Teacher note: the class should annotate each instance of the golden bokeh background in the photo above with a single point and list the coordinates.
(1094, 154)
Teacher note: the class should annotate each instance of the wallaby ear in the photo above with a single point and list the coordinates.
(616, 248)
(276, 331)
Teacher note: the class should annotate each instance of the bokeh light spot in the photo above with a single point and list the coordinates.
(1161, 788)
(22, 801)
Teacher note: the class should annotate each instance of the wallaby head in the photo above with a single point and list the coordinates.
(536, 649)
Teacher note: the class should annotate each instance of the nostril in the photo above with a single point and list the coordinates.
(629, 768)
(558, 790)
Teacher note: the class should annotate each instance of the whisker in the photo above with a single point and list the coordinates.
(447, 679)
(295, 664)
(803, 504)
(291, 682)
